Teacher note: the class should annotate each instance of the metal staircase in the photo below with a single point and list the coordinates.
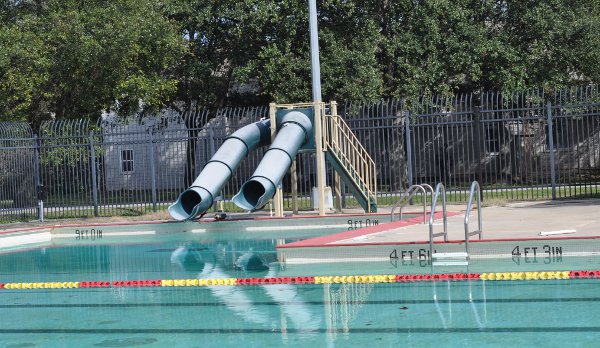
(350, 159)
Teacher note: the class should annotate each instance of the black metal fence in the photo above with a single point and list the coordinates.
(530, 145)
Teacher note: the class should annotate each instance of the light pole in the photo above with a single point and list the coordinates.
(316, 94)
(314, 50)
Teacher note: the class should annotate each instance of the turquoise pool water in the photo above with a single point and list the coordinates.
(450, 314)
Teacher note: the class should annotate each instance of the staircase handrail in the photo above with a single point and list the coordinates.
(339, 138)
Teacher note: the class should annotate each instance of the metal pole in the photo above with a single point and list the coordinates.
(94, 174)
(478, 147)
(316, 88)
(314, 50)
(212, 147)
(294, 184)
(36, 160)
(152, 170)
(408, 150)
(320, 155)
(551, 144)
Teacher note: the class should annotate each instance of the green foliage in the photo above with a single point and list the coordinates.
(376, 48)
(69, 59)
(24, 70)
(73, 58)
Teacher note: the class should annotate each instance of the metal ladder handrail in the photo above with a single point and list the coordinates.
(438, 188)
(405, 199)
(479, 231)
(428, 187)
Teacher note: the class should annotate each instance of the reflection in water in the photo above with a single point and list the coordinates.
(251, 262)
(481, 319)
(234, 297)
(292, 305)
(445, 311)
(343, 302)
(188, 259)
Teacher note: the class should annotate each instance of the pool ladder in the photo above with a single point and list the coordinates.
(407, 197)
(439, 189)
(474, 188)
(455, 258)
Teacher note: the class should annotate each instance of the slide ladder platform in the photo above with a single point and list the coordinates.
(350, 160)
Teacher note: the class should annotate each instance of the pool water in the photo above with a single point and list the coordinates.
(553, 313)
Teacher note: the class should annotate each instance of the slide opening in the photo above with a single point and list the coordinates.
(253, 191)
(189, 199)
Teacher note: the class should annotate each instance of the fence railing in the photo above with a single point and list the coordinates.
(531, 145)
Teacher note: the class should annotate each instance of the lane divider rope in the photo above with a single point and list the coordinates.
(379, 278)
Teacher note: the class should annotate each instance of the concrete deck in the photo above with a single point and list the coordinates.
(523, 220)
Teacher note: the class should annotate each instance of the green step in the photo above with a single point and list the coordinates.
(366, 201)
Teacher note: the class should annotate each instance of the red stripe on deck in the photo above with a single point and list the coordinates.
(332, 238)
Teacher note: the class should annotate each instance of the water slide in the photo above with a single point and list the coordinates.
(294, 131)
(199, 197)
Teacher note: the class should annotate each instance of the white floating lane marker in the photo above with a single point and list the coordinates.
(551, 233)
(104, 234)
(25, 239)
(292, 228)
(128, 233)
(198, 230)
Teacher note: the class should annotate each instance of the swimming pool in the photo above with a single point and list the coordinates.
(469, 312)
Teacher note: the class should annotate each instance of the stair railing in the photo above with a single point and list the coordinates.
(339, 138)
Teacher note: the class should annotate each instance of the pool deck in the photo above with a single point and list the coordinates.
(515, 221)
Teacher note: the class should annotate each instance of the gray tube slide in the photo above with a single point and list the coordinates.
(294, 131)
(199, 197)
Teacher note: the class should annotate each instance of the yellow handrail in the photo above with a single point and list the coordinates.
(339, 138)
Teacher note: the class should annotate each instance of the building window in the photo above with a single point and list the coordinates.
(127, 161)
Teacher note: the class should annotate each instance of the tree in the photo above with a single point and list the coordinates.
(381, 48)
(72, 59)
(446, 47)
(542, 43)
(75, 58)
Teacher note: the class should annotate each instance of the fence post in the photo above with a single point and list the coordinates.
(551, 144)
(94, 174)
(408, 149)
(477, 139)
(294, 184)
(152, 170)
(212, 149)
(36, 177)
